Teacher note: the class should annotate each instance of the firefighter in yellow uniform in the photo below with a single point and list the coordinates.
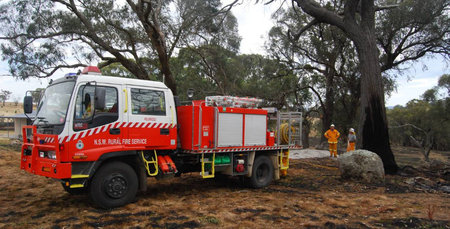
(332, 135)
(351, 140)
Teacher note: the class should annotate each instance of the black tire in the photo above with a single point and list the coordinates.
(262, 172)
(74, 191)
(114, 185)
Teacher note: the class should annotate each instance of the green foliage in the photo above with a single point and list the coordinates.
(128, 37)
(412, 30)
(214, 70)
(37, 94)
(430, 115)
(117, 69)
(444, 82)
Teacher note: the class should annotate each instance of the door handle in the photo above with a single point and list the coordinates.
(114, 131)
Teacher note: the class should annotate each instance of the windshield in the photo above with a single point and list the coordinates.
(53, 106)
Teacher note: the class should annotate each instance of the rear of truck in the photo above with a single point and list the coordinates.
(232, 136)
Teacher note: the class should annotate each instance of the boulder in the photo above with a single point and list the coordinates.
(361, 165)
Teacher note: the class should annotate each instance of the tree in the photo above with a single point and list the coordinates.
(411, 30)
(325, 56)
(214, 70)
(43, 36)
(16, 100)
(423, 123)
(358, 23)
(444, 82)
(37, 95)
(405, 33)
(4, 95)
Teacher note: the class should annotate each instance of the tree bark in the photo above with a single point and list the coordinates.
(373, 123)
(148, 15)
(305, 133)
(328, 110)
(169, 80)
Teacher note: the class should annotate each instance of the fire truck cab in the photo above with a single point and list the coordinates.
(105, 135)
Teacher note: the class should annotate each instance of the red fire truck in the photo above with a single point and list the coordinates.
(105, 136)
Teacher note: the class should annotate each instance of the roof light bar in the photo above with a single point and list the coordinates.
(93, 70)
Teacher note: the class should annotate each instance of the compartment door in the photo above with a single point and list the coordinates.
(255, 130)
(230, 127)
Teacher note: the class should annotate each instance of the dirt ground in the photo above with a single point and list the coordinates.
(311, 196)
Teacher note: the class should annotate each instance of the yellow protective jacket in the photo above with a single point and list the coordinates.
(332, 135)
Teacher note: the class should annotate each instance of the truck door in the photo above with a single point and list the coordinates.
(96, 126)
(151, 118)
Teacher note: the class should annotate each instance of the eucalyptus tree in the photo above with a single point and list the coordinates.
(41, 37)
(401, 30)
(323, 56)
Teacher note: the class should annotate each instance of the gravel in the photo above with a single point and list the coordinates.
(308, 153)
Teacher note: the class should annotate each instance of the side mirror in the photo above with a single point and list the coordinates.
(100, 96)
(28, 104)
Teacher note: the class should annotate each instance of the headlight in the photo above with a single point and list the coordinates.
(48, 154)
(51, 155)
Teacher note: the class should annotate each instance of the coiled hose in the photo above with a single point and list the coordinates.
(284, 133)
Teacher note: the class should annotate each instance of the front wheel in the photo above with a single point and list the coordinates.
(114, 185)
(262, 172)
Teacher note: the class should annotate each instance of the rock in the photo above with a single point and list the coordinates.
(421, 182)
(445, 188)
(361, 165)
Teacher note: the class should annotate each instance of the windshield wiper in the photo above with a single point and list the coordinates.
(41, 119)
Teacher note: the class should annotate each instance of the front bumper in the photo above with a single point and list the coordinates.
(33, 143)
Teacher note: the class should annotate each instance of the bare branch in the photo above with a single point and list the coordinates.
(297, 35)
(409, 125)
(320, 13)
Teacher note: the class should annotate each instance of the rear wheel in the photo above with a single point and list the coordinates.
(262, 172)
(114, 185)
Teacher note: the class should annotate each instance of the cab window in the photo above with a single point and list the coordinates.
(87, 115)
(147, 102)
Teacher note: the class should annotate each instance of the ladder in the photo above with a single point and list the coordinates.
(153, 162)
(208, 166)
(283, 161)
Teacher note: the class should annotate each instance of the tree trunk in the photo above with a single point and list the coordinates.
(158, 42)
(169, 80)
(305, 134)
(328, 110)
(373, 127)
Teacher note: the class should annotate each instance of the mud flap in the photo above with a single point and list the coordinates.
(142, 172)
(251, 159)
(276, 167)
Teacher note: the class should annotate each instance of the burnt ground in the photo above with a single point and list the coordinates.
(311, 196)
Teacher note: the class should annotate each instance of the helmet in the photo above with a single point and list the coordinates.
(352, 130)
(332, 125)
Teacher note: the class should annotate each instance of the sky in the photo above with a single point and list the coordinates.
(254, 22)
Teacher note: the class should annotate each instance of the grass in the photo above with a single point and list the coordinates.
(10, 109)
(413, 157)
